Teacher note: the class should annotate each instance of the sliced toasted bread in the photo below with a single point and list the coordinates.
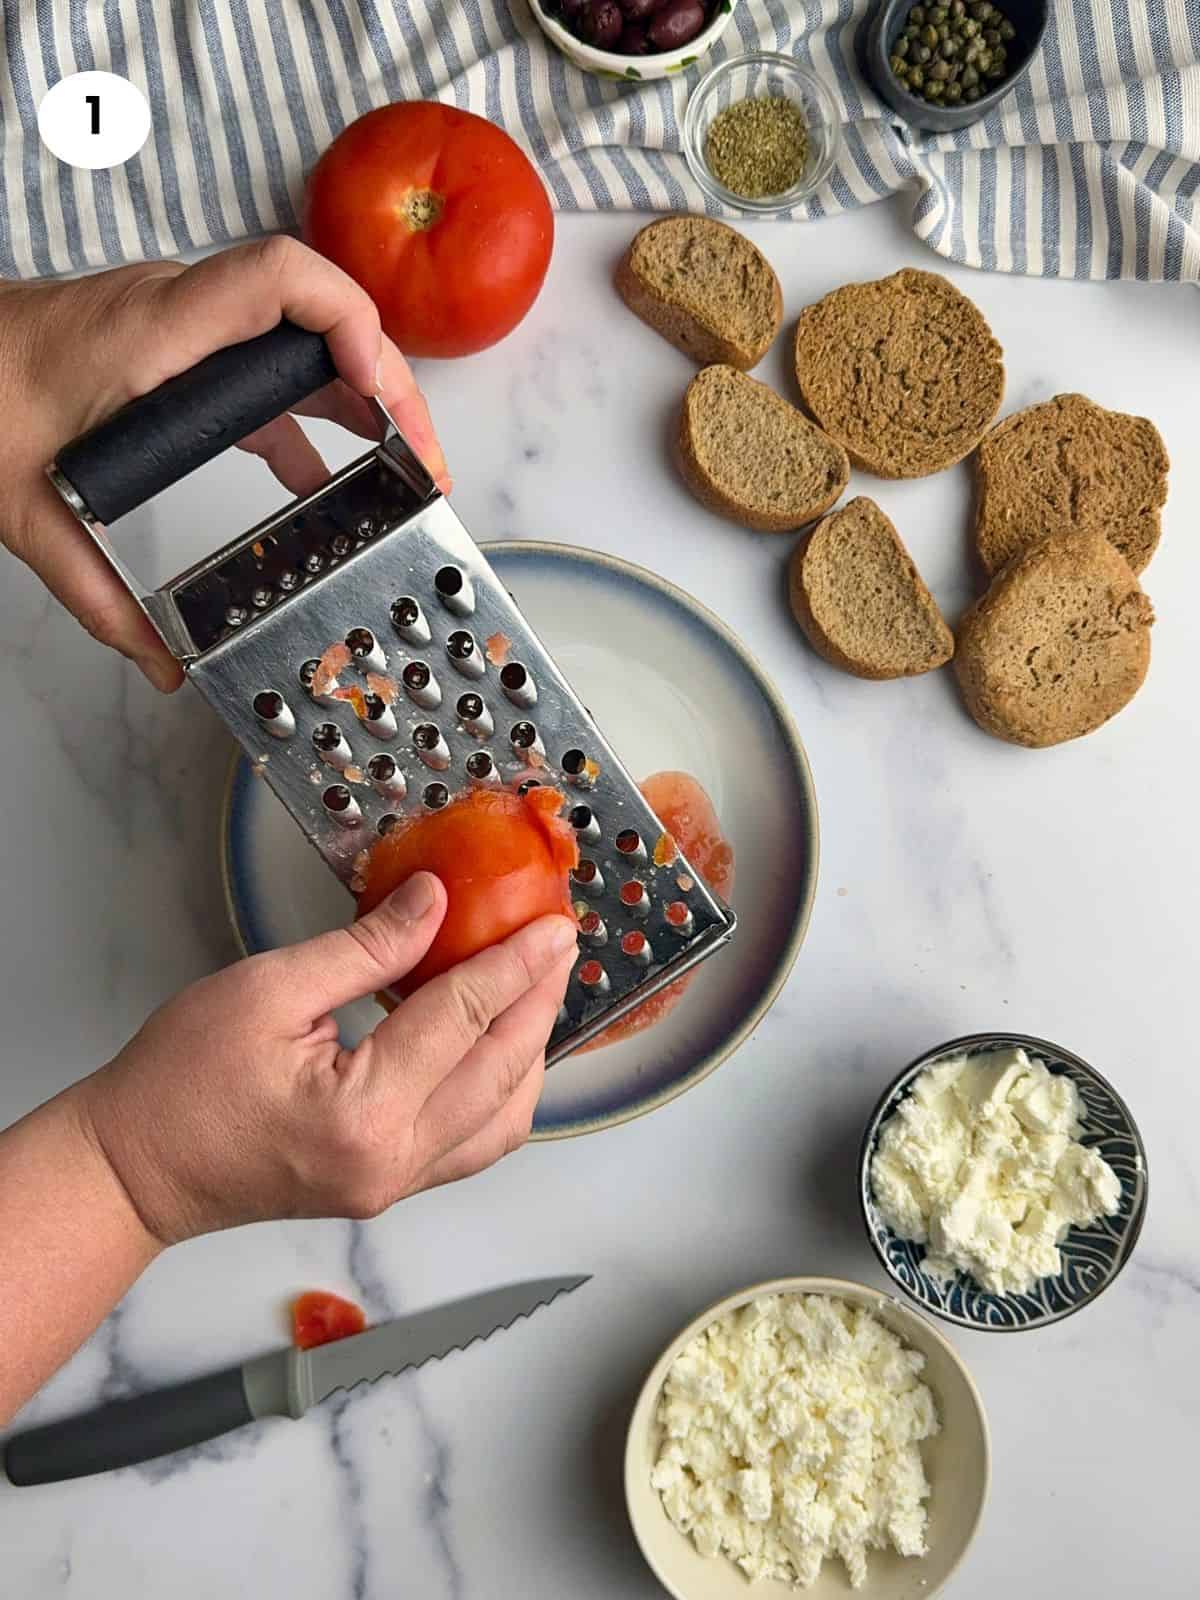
(861, 601)
(1058, 644)
(705, 288)
(1070, 466)
(903, 371)
(751, 456)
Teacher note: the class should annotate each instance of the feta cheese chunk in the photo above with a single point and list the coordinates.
(807, 1447)
(981, 1163)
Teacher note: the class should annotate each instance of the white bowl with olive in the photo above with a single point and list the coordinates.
(942, 64)
(633, 38)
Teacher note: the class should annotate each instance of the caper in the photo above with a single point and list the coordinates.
(948, 49)
(969, 77)
(929, 36)
(934, 91)
(981, 10)
(958, 8)
(953, 94)
(984, 60)
(972, 93)
(900, 48)
(971, 29)
(991, 36)
(1007, 32)
(917, 15)
(999, 59)
(994, 71)
(938, 15)
(898, 65)
(939, 71)
(916, 78)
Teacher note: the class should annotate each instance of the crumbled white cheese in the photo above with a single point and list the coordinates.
(980, 1162)
(790, 1435)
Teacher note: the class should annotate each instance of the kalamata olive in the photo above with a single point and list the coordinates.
(678, 23)
(570, 10)
(638, 10)
(600, 24)
(633, 40)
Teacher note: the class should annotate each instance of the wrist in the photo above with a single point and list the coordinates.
(83, 1107)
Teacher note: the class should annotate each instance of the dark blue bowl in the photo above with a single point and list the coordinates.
(1028, 17)
(1092, 1257)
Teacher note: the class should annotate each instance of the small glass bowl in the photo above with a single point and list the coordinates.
(757, 75)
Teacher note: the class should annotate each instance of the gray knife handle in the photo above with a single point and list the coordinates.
(128, 1431)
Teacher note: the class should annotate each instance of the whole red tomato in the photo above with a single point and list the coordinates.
(440, 217)
(502, 857)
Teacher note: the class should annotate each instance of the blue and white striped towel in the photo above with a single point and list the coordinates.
(1089, 170)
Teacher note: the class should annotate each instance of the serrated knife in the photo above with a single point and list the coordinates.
(284, 1383)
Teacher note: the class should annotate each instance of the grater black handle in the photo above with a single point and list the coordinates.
(162, 436)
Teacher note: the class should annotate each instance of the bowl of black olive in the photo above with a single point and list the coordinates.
(943, 64)
(633, 38)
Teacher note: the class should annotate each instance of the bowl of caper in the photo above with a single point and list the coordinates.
(942, 64)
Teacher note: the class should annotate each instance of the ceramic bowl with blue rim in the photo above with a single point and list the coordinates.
(1092, 1256)
(666, 680)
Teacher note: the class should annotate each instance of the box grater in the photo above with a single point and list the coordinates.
(436, 682)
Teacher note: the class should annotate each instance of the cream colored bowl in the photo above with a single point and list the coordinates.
(957, 1463)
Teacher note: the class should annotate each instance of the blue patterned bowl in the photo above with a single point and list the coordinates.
(1092, 1257)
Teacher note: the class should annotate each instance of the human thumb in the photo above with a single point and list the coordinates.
(348, 963)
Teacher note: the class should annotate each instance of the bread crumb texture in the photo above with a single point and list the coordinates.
(705, 288)
(860, 600)
(1070, 466)
(903, 371)
(749, 455)
(1058, 644)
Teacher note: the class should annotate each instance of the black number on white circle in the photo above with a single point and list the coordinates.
(93, 100)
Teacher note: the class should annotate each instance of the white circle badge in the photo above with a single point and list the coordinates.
(94, 119)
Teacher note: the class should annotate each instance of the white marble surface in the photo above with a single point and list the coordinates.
(965, 885)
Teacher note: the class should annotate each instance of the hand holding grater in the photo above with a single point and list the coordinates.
(371, 664)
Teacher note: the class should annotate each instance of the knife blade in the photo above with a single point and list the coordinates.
(283, 1383)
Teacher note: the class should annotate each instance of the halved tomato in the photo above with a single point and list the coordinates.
(503, 858)
(319, 1318)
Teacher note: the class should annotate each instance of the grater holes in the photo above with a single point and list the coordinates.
(420, 685)
(409, 620)
(386, 823)
(379, 719)
(274, 713)
(530, 783)
(386, 776)
(313, 563)
(678, 918)
(583, 820)
(588, 877)
(235, 616)
(261, 596)
(634, 897)
(481, 769)
(289, 581)
(365, 528)
(435, 796)
(431, 746)
(465, 655)
(454, 590)
(475, 716)
(341, 805)
(340, 546)
(630, 846)
(636, 947)
(526, 740)
(518, 685)
(573, 763)
(365, 650)
(593, 978)
(592, 928)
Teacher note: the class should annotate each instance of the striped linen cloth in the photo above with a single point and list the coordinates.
(1089, 170)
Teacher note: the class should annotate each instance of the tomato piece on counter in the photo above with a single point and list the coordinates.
(440, 217)
(691, 824)
(319, 1318)
(503, 858)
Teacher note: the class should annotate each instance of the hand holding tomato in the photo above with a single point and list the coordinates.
(440, 217)
(235, 1102)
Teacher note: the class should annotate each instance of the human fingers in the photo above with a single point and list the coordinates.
(491, 1073)
(348, 963)
(428, 1035)
(290, 454)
